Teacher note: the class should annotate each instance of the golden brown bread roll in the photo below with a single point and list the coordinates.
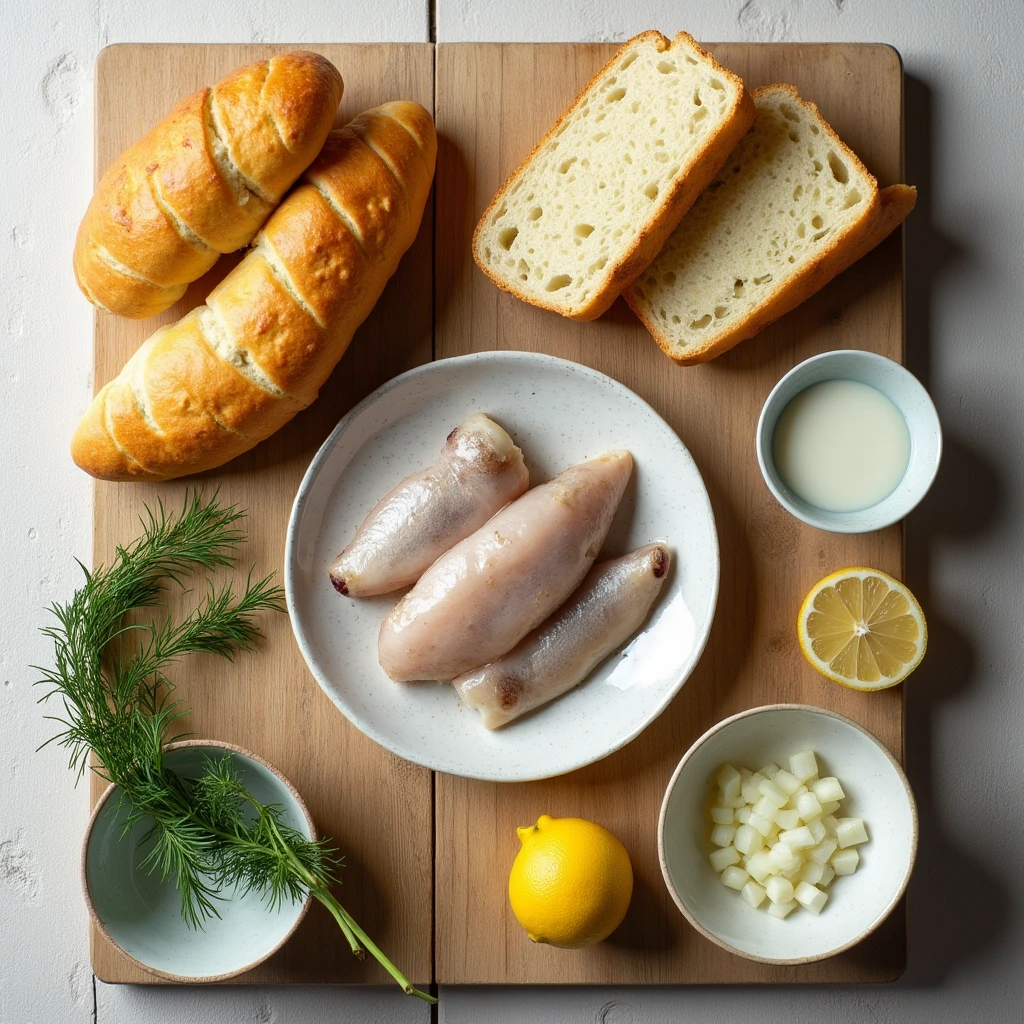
(201, 391)
(202, 182)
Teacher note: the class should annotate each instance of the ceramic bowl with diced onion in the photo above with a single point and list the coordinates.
(787, 834)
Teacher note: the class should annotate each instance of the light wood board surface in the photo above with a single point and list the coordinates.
(492, 104)
(377, 808)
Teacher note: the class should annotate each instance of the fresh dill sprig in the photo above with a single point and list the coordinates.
(208, 835)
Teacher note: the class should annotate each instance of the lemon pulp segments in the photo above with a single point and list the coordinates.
(862, 628)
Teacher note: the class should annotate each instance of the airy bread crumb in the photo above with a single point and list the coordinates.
(792, 207)
(600, 193)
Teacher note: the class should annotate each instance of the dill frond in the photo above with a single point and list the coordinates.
(208, 835)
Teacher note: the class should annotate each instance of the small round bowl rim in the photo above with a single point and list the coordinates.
(98, 922)
(678, 900)
(853, 522)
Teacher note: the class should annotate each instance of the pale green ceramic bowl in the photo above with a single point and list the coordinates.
(140, 915)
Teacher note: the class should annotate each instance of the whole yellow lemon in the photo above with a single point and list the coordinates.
(570, 883)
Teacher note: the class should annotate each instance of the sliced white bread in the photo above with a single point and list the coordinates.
(596, 199)
(792, 208)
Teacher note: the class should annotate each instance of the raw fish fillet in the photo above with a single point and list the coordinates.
(608, 608)
(475, 603)
(479, 471)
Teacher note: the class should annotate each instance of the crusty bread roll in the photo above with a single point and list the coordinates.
(201, 391)
(792, 208)
(202, 182)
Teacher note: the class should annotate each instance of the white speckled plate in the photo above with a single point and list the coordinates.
(559, 413)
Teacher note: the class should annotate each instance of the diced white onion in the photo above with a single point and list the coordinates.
(828, 789)
(799, 838)
(850, 832)
(823, 850)
(811, 897)
(787, 782)
(782, 856)
(723, 858)
(787, 818)
(772, 792)
(759, 866)
(777, 836)
(748, 840)
(753, 893)
(779, 889)
(845, 862)
(803, 765)
(808, 806)
(782, 910)
(735, 877)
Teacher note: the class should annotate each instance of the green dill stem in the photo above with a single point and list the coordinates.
(317, 888)
(378, 954)
(116, 705)
(348, 924)
(332, 905)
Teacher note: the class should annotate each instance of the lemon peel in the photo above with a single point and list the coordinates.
(571, 882)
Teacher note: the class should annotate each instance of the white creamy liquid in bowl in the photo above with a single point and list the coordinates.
(841, 446)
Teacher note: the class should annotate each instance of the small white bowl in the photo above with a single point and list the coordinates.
(876, 790)
(904, 390)
(140, 915)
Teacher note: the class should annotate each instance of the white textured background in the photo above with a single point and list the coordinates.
(965, 244)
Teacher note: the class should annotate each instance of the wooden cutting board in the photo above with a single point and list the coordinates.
(493, 103)
(414, 842)
(377, 807)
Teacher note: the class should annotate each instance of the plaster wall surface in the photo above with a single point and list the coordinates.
(965, 293)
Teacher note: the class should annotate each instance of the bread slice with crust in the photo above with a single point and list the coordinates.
(596, 199)
(792, 208)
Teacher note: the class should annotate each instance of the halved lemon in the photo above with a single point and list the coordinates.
(862, 628)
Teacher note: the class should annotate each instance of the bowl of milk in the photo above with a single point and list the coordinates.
(849, 441)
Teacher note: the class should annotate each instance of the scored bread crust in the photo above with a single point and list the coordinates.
(668, 212)
(201, 391)
(202, 181)
(882, 215)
